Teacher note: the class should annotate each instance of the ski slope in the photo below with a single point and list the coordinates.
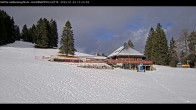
(24, 79)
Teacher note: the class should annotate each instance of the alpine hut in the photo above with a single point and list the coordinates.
(128, 58)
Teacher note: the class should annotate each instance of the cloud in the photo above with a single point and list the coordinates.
(110, 26)
(137, 37)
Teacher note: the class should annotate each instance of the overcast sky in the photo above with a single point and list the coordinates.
(104, 29)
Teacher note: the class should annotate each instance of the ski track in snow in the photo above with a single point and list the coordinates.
(23, 79)
(169, 90)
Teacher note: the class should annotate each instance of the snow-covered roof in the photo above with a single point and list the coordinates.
(84, 55)
(122, 51)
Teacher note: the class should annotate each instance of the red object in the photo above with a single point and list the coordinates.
(145, 62)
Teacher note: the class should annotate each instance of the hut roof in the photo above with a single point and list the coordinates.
(125, 51)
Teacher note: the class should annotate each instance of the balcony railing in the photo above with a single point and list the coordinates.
(145, 62)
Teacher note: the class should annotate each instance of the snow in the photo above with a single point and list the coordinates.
(123, 51)
(24, 79)
(83, 55)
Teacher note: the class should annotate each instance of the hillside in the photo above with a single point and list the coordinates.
(23, 79)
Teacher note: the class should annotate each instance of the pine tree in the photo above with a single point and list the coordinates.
(2, 27)
(64, 42)
(125, 45)
(71, 43)
(38, 32)
(130, 44)
(7, 28)
(53, 33)
(192, 59)
(17, 32)
(156, 48)
(154, 43)
(24, 33)
(162, 47)
(33, 33)
(67, 40)
(29, 35)
(43, 34)
(149, 46)
(103, 54)
(11, 30)
(192, 49)
(192, 42)
(173, 58)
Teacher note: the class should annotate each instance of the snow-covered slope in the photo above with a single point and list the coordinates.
(23, 79)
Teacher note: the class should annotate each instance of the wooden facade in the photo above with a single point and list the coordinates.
(129, 59)
(144, 62)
